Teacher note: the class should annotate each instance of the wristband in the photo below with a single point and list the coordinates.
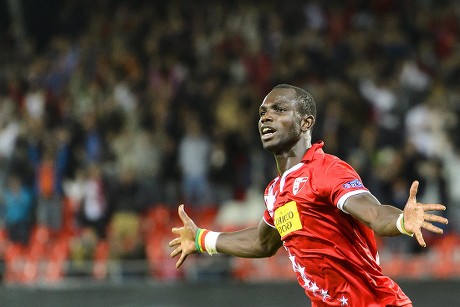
(198, 240)
(205, 241)
(197, 234)
(400, 225)
(211, 242)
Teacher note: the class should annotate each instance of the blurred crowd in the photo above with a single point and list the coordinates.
(128, 106)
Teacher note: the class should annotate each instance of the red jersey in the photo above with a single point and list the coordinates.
(333, 255)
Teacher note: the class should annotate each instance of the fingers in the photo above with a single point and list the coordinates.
(174, 242)
(419, 237)
(181, 260)
(432, 228)
(413, 190)
(176, 252)
(435, 218)
(433, 207)
(183, 216)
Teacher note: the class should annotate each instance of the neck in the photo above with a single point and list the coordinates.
(286, 160)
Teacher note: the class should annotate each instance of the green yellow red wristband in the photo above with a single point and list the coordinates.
(203, 234)
(197, 245)
(200, 239)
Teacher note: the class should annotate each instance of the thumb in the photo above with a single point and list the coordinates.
(183, 216)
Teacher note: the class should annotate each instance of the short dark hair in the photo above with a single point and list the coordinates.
(306, 103)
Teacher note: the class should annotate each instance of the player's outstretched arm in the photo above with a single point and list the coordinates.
(390, 221)
(255, 242)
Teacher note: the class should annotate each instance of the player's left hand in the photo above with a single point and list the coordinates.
(416, 216)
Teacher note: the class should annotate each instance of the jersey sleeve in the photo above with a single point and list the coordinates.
(269, 201)
(268, 219)
(339, 182)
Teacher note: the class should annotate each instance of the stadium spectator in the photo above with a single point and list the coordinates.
(194, 153)
(124, 226)
(18, 202)
(49, 201)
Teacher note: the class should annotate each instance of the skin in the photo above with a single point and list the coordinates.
(288, 143)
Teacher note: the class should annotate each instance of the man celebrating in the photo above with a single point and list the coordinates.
(319, 211)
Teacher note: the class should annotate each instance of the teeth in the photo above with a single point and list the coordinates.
(267, 130)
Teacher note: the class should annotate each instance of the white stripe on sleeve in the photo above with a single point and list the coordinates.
(345, 196)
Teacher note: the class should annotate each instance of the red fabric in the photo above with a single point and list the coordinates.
(333, 255)
(46, 179)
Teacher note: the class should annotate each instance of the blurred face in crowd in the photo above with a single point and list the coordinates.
(14, 184)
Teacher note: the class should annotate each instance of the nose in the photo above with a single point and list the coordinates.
(266, 117)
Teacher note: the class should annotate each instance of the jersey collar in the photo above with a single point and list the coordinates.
(316, 147)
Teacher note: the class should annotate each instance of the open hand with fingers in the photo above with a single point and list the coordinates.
(417, 216)
(184, 243)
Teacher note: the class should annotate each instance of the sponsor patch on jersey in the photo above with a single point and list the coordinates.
(353, 184)
(298, 184)
(287, 219)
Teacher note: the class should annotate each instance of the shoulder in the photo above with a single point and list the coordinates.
(333, 171)
(326, 162)
(273, 181)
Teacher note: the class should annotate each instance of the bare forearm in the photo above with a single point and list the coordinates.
(384, 224)
(243, 243)
(367, 209)
(255, 242)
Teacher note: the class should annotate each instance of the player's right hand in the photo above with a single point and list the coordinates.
(184, 243)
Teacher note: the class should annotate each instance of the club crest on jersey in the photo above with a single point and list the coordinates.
(353, 184)
(298, 184)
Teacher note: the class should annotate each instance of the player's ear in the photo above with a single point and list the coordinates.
(307, 122)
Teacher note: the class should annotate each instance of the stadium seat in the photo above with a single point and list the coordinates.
(448, 256)
(40, 234)
(416, 267)
(101, 257)
(393, 265)
(55, 267)
(4, 242)
(68, 225)
(206, 216)
(156, 219)
(243, 268)
(14, 262)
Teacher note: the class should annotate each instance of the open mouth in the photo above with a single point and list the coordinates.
(267, 133)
